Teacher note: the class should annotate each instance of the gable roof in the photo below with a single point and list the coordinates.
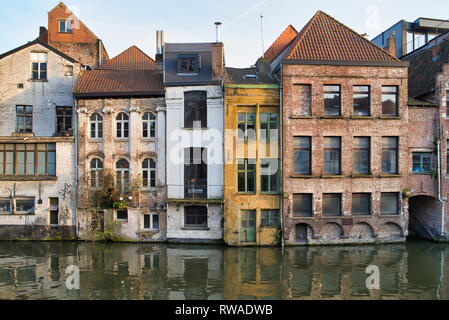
(324, 38)
(281, 43)
(425, 64)
(38, 41)
(249, 76)
(131, 59)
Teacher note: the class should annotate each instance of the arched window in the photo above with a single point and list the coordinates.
(149, 125)
(96, 173)
(122, 125)
(96, 126)
(149, 173)
(122, 174)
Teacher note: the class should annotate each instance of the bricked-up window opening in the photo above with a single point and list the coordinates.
(96, 173)
(332, 204)
(122, 174)
(332, 100)
(422, 162)
(195, 109)
(390, 203)
(24, 119)
(188, 64)
(390, 155)
(63, 119)
(269, 175)
(303, 205)
(246, 126)
(122, 125)
(122, 215)
(39, 66)
(269, 126)
(149, 125)
(151, 221)
(96, 126)
(195, 173)
(28, 159)
(362, 155)
(65, 26)
(362, 101)
(24, 206)
(361, 204)
(195, 217)
(447, 104)
(69, 71)
(390, 99)
(5, 206)
(303, 155)
(54, 211)
(270, 218)
(248, 226)
(332, 155)
(149, 173)
(302, 93)
(246, 175)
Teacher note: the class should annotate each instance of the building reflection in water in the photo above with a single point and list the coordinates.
(153, 272)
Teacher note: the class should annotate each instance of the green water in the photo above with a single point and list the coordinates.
(417, 270)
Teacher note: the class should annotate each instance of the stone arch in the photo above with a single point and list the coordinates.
(332, 231)
(303, 232)
(361, 231)
(390, 230)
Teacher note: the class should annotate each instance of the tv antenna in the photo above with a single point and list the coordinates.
(261, 33)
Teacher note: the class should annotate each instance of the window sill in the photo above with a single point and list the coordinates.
(358, 216)
(246, 193)
(362, 118)
(304, 218)
(194, 229)
(150, 230)
(148, 139)
(121, 140)
(122, 221)
(37, 80)
(362, 176)
(390, 176)
(300, 176)
(389, 216)
(332, 117)
(95, 140)
(274, 193)
(269, 227)
(188, 74)
(332, 217)
(332, 176)
(23, 134)
(390, 118)
(302, 117)
(63, 32)
(422, 173)
(192, 129)
(28, 178)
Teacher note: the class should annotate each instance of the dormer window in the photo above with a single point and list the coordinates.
(65, 26)
(188, 64)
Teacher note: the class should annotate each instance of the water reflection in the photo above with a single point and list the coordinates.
(138, 271)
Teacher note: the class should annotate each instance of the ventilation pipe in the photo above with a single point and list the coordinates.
(218, 31)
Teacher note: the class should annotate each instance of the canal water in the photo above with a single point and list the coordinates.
(416, 270)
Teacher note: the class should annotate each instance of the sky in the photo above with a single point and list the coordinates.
(121, 24)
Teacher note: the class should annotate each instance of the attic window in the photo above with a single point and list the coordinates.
(65, 26)
(189, 64)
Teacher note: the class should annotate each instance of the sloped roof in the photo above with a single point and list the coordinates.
(324, 38)
(281, 43)
(38, 41)
(119, 83)
(425, 64)
(131, 59)
(240, 76)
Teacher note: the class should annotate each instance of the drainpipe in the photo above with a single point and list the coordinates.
(282, 153)
(76, 159)
(440, 199)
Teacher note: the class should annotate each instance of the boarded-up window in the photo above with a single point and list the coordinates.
(302, 95)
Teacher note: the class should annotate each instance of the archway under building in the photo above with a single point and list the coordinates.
(424, 217)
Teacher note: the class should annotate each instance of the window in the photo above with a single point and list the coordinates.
(270, 218)
(188, 64)
(447, 104)
(246, 172)
(195, 173)
(302, 95)
(149, 125)
(151, 221)
(303, 205)
(362, 101)
(149, 173)
(96, 126)
(390, 155)
(389, 204)
(447, 157)
(269, 175)
(63, 119)
(332, 101)
(38, 66)
(122, 174)
(122, 126)
(96, 173)
(195, 217)
(122, 215)
(54, 211)
(390, 101)
(332, 155)
(195, 109)
(5, 206)
(69, 71)
(422, 162)
(65, 26)
(24, 206)
(303, 155)
(246, 125)
(24, 116)
(362, 146)
(28, 159)
(332, 204)
(269, 126)
(361, 204)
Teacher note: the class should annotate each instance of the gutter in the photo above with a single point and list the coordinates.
(440, 199)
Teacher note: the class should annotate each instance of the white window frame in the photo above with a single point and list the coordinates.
(149, 169)
(151, 214)
(149, 121)
(96, 122)
(97, 172)
(122, 172)
(122, 122)
(10, 206)
(66, 29)
(39, 58)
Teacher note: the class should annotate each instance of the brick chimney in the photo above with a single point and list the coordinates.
(43, 34)
(218, 60)
(159, 49)
(391, 44)
(263, 65)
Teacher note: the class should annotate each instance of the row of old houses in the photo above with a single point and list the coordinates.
(329, 138)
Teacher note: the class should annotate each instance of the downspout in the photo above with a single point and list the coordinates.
(282, 153)
(76, 157)
(440, 198)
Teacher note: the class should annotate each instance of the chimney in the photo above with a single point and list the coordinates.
(218, 32)
(43, 34)
(159, 48)
(263, 65)
(391, 44)
(218, 60)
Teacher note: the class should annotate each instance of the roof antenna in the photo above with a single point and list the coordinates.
(261, 32)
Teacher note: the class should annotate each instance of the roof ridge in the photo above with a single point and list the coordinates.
(300, 34)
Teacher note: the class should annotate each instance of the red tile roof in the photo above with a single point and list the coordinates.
(281, 43)
(324, 38)
(119, 83)
(131, 59)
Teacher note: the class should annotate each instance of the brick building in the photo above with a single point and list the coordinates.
(345, 144)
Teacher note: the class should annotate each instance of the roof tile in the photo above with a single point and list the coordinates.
(281, 43)
(131, 59)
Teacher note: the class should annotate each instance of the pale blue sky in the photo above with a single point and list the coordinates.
(121, 24)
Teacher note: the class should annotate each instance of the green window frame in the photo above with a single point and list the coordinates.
(269, 122)
(269, 176)
(270, 218)
(246, 121)
(422, 162)
(246, 172)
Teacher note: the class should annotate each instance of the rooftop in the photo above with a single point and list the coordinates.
(131, 59)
